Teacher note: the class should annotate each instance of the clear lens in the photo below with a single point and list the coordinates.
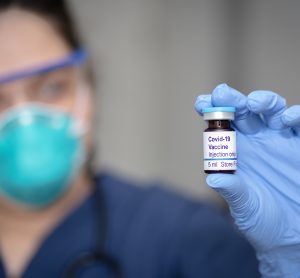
(57, 88)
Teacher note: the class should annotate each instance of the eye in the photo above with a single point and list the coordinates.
(52, 89)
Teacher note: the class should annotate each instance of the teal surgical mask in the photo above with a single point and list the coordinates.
(41, 152)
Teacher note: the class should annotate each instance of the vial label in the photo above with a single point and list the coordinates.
(220, 150)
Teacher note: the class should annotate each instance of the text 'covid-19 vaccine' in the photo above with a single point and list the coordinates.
(219, 141)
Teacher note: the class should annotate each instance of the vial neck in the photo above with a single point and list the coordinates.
(219, 124)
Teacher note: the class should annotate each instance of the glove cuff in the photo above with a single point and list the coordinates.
(280, 263)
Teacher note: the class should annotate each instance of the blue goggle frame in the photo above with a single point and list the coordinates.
(77, 57)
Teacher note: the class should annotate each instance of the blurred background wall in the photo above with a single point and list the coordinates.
(153, 57)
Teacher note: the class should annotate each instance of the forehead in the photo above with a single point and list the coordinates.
(27, 40)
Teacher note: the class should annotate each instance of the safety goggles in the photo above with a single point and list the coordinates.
(55, 83)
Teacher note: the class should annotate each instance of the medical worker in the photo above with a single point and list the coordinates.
(59, 219)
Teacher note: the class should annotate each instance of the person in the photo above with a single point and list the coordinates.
(58, 219)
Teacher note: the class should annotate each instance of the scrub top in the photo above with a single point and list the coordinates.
(151, 232)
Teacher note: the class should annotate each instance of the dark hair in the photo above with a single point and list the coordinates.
(56, 11)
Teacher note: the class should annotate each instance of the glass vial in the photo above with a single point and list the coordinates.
(219, 141)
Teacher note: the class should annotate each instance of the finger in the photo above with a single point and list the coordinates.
(270, 105)
(202, 101)
(240, 198)
(291, 118)
(245, 121)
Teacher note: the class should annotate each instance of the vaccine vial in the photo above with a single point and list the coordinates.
(219, 141)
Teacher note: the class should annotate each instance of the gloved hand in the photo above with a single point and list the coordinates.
(264, 193)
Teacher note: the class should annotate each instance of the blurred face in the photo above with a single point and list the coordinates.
(43, 149)
(29, 41)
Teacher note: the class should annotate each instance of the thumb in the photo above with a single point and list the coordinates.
(241, 199)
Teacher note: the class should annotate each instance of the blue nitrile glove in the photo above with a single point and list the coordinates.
(264, 193)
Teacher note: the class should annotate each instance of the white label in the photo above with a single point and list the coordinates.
(219, 150)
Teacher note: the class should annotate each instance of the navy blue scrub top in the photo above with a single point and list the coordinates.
(151, 232)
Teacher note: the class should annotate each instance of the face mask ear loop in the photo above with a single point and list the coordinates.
(80, 126)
